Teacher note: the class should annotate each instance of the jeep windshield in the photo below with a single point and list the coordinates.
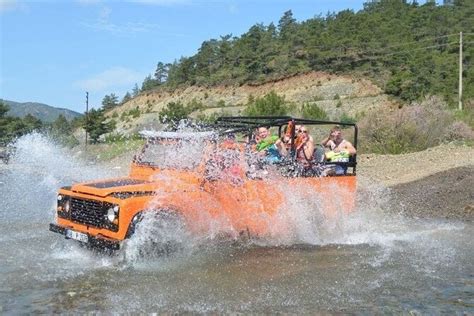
(173, 150)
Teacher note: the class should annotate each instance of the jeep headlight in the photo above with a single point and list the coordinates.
(112, 213)
(67, 206)
(63, 205)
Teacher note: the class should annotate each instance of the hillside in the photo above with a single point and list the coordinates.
(347, 63)
(44, 112)
(337, 95)
(409, 49)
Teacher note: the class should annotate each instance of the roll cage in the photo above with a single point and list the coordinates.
(248, 124)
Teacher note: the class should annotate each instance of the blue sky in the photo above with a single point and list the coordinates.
(54, 51)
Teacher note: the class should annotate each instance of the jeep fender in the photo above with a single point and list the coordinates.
(138, 217)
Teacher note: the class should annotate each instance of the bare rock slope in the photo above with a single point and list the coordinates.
(335, 94)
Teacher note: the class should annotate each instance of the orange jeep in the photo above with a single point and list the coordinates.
(215, 174)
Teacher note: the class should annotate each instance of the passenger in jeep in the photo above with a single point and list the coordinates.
(339, 149)
(304, 145)
(266, 145)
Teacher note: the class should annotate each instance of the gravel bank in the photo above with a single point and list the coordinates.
(435, 183)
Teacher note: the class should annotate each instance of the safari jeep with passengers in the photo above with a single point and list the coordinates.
(240, 172)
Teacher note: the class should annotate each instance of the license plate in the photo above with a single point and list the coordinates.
(76, 235)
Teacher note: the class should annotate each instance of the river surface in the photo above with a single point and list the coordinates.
(373, 261)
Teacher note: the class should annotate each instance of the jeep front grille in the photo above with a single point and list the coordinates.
(92, 213)
(88, 212)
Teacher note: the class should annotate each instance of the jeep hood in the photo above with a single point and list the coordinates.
(106, 187)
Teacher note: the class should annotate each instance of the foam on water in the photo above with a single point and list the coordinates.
(37, 169)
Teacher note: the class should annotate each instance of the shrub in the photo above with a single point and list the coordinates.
(112, 124)
(123, 116)
(194, 105)
(345, 118)
(313, 111)
(467, 114)
(206, 119)
(114, 137)
(148, 106)
(270, 104)
(173, 113)
(134, 112)
(411, 128)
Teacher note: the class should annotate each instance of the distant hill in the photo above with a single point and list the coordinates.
(44, 112)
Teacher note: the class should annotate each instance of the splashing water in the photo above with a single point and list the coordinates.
(371, 260)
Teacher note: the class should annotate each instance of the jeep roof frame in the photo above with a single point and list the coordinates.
(243, 123)
(233, 124)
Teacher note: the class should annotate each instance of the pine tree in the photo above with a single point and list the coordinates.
(109, 101)
(94, 124)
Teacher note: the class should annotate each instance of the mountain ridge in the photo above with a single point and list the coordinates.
(44, 112)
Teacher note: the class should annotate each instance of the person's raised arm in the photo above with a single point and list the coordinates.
(309, 149)
(328, 142)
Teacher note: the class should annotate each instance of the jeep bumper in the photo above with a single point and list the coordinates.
(92, 241)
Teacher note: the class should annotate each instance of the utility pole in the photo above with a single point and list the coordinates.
(87, 111)
(460, 71)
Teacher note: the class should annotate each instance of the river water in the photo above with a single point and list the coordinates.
(372, 261)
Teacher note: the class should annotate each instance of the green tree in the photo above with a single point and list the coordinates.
(95, 124)
(62, 131)
(270, 104)
(61, 126)
(161, 72)
(127, 97)
(109, 101)
(4, 108)
(31, 123)
(173, 113)
(135, 90)
(3, 122)
(149, 83)
(287, 25)
(13, 127)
